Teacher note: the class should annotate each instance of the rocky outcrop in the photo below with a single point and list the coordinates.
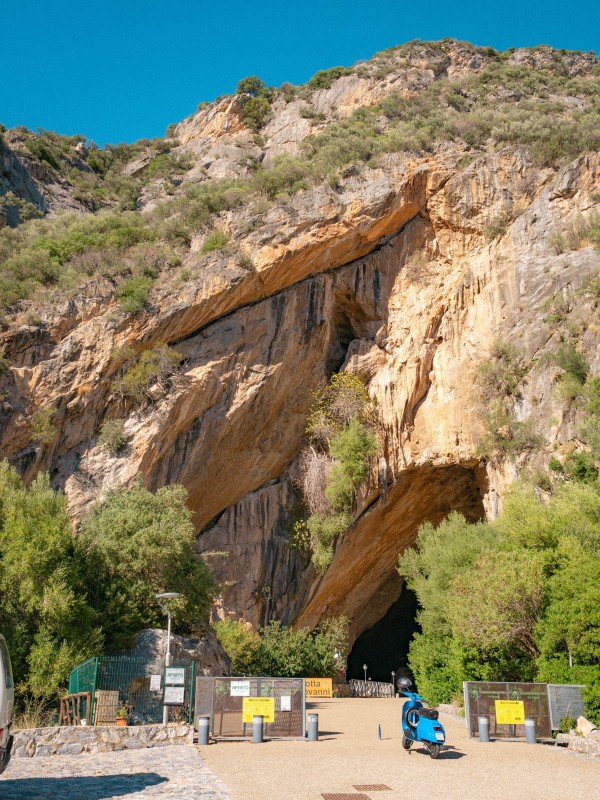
(405, 274)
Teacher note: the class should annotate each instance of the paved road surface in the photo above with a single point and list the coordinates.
(348, 754)
(162, 773)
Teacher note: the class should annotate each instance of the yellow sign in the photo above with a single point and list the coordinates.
(319, 687)
(510, 712)
(258, 706)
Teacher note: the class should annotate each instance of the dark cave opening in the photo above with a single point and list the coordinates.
(384, 646)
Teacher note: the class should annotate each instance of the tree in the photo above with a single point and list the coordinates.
(140, 544)
(44, 612)
(241, 643)
(251, 85)
(285, 652)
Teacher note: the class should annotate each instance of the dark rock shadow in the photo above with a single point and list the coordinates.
(92, 787)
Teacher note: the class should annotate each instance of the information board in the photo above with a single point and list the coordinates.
(239, 688)
(155, 683)
(175, 675)
(258, 706)
(174, 695)
(510, 712)
(319, 687)
(286, 702)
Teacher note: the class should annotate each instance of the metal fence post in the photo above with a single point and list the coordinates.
(257, 729)
(203, 728)
(484, 729)
(530, 734)
(192, 692)
(94, 687)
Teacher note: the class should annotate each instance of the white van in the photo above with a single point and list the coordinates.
(7, 701)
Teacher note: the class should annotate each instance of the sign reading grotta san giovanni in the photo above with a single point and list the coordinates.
(319, 687)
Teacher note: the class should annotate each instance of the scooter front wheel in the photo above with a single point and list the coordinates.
(434, 749)
(406, 743)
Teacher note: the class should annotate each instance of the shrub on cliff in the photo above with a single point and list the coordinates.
(255, 100)
(334, 465)
(154, 367)
(325, 77)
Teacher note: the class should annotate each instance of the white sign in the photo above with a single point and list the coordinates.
(286, 702)
(239, 688)
(174, 695)
(175, 676)
(155, 683)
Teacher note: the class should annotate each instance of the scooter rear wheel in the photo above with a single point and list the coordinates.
(406, 743)
(434, 749)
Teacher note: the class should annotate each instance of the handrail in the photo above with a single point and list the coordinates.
(371, 688)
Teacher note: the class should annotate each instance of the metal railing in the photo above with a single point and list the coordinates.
(137, 683)
(371, 689)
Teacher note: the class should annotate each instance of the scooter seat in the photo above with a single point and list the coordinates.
(428, 713)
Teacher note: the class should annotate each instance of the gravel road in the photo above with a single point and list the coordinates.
(349, 754)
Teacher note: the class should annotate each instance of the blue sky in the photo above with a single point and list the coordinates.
(119, 70)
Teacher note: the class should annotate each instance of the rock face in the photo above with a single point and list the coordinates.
(404, 274)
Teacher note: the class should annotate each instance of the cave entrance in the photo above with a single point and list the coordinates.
(384, 646)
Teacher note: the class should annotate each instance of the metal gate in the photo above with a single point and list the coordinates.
(118, 680)
(480, 701)
(222, 699)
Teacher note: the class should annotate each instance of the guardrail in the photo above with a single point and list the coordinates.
(371, 689)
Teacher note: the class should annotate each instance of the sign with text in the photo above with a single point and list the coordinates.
(175, 676)
(319, 687)
(239, 688)
(510, 712)
(286, 702)
(155, 683)
(174, 695)
(258, 706)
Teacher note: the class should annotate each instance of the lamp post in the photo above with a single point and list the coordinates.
(365, 669)
(161, 600)
(393, 683)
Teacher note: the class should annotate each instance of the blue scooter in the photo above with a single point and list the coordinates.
(420, 724)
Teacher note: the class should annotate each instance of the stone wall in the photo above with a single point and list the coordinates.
(71, 741)
(590, 745)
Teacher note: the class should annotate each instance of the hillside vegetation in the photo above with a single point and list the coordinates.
(549, 106)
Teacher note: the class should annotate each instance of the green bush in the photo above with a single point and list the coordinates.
(325, 77)
(287, 652)
(215, 240)
(251, 85)
(575, 364)
(136, 544)
(42, 428)
(256, 112)
(44, 612)
(497, 600)
(154, 366)
(112, 435)
(133, 294)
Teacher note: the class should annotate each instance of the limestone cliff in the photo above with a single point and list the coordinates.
(405, 272)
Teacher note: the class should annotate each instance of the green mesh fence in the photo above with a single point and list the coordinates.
(138, 683)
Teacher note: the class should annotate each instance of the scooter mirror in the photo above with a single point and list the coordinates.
(404, 684)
